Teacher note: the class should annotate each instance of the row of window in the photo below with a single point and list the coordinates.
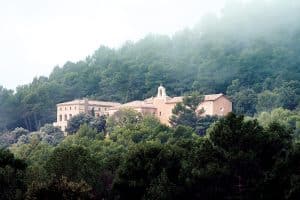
(65, 117)
(67, 108)
(99, 109)
(70, 108)
(70, 116)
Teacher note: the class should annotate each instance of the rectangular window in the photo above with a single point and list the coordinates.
(60, 117)
(70, 116)
(66, 117)
(159, 113)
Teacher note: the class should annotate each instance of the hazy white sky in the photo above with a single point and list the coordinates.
(36, 35)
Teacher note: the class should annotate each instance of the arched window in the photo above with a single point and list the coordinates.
(66, 117)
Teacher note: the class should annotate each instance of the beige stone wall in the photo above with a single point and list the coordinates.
(143, 110)
(207, 106)
(67, 111)
(222, 106)
(64, 113)
(164, 110)
(99, 110)
(147, 111)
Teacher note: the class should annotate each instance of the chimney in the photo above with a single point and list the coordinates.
(86, 105)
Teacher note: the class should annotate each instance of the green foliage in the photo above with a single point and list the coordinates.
(144, 166)
(8, 117)
(186, 114)
(146, 160)
(76, 121)
(73, 162)
(47, 134)
(162, 183)
(183, 115)
(143, 159)
(97, 123)
(293, 167)
(250, 152)
(124, 117)
(267, 101)
(9, 138)
(53, 134)
(60, 189)
(11, 176)
(290, 119)
(207, 58)
(244, 99)
(132, 128)
(86, 131)
(192, 101)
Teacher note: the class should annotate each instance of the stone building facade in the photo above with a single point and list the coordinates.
(215, 104)
(160, 106)
(67, 110)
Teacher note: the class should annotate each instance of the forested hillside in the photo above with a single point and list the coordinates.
(251, 53)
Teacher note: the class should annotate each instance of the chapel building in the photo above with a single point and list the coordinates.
(162, 105)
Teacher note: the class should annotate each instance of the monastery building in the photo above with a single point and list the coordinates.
(160, 106)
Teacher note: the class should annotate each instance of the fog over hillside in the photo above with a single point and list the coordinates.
(37, 35)
(250, 52)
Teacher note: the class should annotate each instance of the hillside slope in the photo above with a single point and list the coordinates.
(251, 53)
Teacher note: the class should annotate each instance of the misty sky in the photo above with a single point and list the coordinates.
(36, 35)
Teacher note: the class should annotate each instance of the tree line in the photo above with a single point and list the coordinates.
(236, 158)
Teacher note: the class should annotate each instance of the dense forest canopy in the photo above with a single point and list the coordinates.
(142, 159)
(251, 53)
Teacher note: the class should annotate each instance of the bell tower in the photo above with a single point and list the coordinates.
(161, 92)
